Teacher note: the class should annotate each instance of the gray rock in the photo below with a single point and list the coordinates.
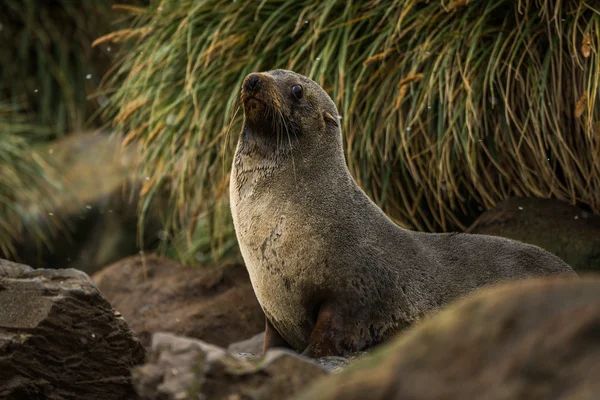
(337, 364)
(9, 269)
(251, 349)
(248, 346)
(60, 339)
(183, 368)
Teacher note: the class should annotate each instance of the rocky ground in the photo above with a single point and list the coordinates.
(149, 328)
(154, 294)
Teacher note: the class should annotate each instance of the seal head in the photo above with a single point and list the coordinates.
(280, 106)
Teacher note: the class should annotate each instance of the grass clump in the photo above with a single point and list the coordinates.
(27, 184)
(49, 67)
(446, 105)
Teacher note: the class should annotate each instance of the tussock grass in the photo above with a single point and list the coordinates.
(48, 65)
(27, 185)
(445, 104)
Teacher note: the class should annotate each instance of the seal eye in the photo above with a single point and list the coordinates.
(297, 91)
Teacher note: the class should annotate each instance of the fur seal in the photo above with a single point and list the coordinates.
(332, 272)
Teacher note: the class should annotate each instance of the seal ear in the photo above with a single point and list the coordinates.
(330, 118)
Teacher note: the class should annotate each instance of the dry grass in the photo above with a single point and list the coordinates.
(446, 105)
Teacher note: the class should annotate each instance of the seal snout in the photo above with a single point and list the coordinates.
(252, 82)
(253, 93)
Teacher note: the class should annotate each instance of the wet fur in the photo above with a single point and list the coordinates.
(311, 238)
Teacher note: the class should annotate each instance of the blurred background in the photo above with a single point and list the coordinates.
(118, 120)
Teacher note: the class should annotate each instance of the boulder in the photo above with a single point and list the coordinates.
(534, 339)
(95, 218)
(567, 231)
(182, 368)
(154, 294)
(59, 339)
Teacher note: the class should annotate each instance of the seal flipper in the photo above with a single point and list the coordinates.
(327, 335)
(273, 338)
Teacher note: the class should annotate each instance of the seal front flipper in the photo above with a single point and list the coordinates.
(327, 335)
(273, 338)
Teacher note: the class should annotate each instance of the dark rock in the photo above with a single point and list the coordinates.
(215, 304)
(59, 339)
(536, 339)
(182, 368)
(566, 231)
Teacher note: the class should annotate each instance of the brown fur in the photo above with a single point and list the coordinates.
(331, 271)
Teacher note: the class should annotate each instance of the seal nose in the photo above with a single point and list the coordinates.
(252, 82)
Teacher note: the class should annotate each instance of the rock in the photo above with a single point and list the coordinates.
(215, 304)
(97, 208)
(566, 231)
(9, 269)
(337, 364)
(251, 349)
(248, 346)
(182, 368)
(534, 339)
(59, 339)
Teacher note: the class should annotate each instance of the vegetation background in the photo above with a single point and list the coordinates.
(48, 70)
(449, 107)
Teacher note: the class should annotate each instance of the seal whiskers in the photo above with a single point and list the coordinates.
(282, 119)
